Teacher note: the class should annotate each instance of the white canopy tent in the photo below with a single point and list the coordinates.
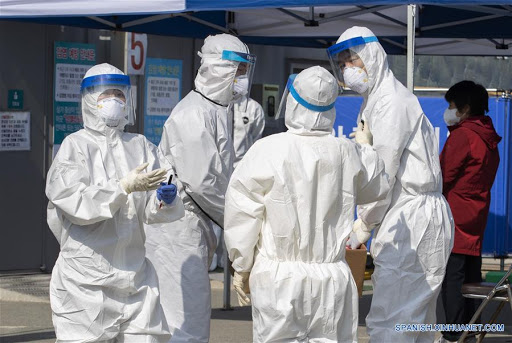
(384, 20)
(434, 27)
(443, 27)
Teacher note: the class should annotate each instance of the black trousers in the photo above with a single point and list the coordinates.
(461, 269)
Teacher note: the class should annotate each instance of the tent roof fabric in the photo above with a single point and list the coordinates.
(38, 8)
(442, 26)
(203, 5)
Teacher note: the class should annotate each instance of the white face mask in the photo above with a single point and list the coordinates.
(450, 117)
(240, 86)
(356, 79)
(111, 110)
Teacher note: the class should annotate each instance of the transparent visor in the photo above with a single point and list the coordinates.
(244, 73)
(342, 55)
(114, 98)
(290, 90)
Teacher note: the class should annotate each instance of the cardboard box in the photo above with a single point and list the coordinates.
(356, 260)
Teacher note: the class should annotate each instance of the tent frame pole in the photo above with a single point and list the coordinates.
(411, 30)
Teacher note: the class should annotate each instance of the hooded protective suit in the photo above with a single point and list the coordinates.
(289, 210)
(249, 125)
(197, 140)
(102, 286)
(413, 242)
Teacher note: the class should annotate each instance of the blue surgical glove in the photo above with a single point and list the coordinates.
(166, 192)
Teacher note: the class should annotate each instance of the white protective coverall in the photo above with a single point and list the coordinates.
(289, 210)
(249, 125)
(197, 140)
(413, 242)
(102, 286)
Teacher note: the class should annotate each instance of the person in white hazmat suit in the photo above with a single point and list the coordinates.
(102, 286)
(414, 225)
(249, 123)
(289, 211)
(197, 140)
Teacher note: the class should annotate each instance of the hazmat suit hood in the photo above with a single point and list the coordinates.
(90, 113)
(383, 86)
(373, 56)
(317, 87)
(215, 77)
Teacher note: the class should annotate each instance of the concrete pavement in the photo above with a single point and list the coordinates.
(25, 314)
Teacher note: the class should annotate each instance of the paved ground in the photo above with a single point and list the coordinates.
(25, 314)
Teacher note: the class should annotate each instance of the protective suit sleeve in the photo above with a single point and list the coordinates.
(245, 208)
(259, 122)
(69, 189)
(392, 127)
(154, 213)
(197, 161)
(453, 158)
(372, 180)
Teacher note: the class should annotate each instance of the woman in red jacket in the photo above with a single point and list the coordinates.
(469, 162)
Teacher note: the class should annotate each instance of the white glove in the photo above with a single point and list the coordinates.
(241, 285)
(362, 135)
(137, 181)
(360, 234)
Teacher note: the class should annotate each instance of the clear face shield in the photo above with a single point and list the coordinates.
(282, 105)
(244, 74)
(346, 64)
(289, 89)
(112, 97)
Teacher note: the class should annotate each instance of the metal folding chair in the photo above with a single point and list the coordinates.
(487, 292)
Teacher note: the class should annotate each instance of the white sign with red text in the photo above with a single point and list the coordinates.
(135, 53)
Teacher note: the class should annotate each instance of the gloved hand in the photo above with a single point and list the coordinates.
(137, 181)
(360, 234)
(241, 285)
(166, 192)
(362, 135)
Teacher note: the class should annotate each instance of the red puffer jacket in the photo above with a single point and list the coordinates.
(469, 162)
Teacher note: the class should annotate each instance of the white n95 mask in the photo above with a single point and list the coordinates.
(240, 86)
(356, 79)
(450, 117)
(111, 110)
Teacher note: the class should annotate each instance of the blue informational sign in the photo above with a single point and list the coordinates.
(15, 99)
(162, 94)
(71, 61)
(498, 234)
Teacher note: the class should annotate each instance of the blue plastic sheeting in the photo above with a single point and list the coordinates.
(498, 234)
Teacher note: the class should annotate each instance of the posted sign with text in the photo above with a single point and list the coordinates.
(136, 48)
(14, 131)
(162, 94)
(72, 60)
